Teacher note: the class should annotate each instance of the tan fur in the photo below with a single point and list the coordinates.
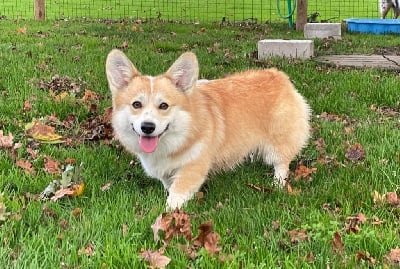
(211, 125)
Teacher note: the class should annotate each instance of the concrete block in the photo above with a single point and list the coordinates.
(303, 49)
(323, 30)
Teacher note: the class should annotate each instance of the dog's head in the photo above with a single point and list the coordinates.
(146, 109)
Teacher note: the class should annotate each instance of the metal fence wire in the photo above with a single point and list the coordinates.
(256, 11)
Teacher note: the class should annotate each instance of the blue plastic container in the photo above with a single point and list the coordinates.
(374, 26)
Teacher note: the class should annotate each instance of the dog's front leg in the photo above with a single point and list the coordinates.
(386, 9)
(186, 182)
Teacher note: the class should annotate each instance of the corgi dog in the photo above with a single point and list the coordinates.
(386, 5)
(181, 130)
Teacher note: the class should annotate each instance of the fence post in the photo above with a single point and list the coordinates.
(40, 10)
(301, 18)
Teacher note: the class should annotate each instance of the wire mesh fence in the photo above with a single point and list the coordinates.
(256, 11)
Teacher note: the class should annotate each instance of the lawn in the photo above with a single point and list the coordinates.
(341, 211)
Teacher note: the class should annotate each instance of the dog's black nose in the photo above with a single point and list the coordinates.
(147, 127)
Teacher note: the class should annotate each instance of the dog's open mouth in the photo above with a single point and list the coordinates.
(149, 144)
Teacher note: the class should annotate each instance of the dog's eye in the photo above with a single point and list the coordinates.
(163, 106)
(137, 105)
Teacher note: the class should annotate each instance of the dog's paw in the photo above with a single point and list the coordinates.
(176, 200)
(280, 176)
(279, 183)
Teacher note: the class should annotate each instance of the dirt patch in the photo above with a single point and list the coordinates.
(388, 50)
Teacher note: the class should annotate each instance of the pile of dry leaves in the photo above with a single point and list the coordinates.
(177, 225)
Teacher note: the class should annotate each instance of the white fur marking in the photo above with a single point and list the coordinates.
(151, 83)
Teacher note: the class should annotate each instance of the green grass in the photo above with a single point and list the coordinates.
(192, 10)
(242, 216)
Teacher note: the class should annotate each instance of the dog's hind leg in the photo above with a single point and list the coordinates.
(396, 13)
(281, 164)
(281, 171)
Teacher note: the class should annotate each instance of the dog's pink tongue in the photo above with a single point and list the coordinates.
(148, 143)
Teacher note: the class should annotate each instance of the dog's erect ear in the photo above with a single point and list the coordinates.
(184, 71)
(119, 70)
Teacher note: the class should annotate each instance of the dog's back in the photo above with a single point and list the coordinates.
(262, 113)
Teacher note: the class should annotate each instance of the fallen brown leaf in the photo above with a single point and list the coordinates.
(199, 197)
(71, 191)
(43, 133)
(376, 221)
(392, 198)
(377, 198)
(337, 243)
(292, 191)
(3, 212)
(208, 238)
(361, 218)
(124, 45)
(276, 225)
(48, 212)
(303, 171)
(124, 229)
(6, 141)
(27, 105)
(106, 186)
(87, 251)
(393, 257)
(309, 258)
(76, 212)
(321, 146)
(26, 165)
(297, 236)
(61, 193)
(64, 224)
(51, 166)
(155, 259)
(352, 222)
(365, 256)
(22, 30)
(32, 153)
(355, 153)
(157, 226)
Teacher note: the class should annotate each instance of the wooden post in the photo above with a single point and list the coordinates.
(301, 18)
(40, 10)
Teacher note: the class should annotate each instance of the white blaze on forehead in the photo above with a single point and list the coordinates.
(151, 79)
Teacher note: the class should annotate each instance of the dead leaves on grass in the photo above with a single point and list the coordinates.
(70, 185)
(173, 224)
(389, 198)
(177, 224)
